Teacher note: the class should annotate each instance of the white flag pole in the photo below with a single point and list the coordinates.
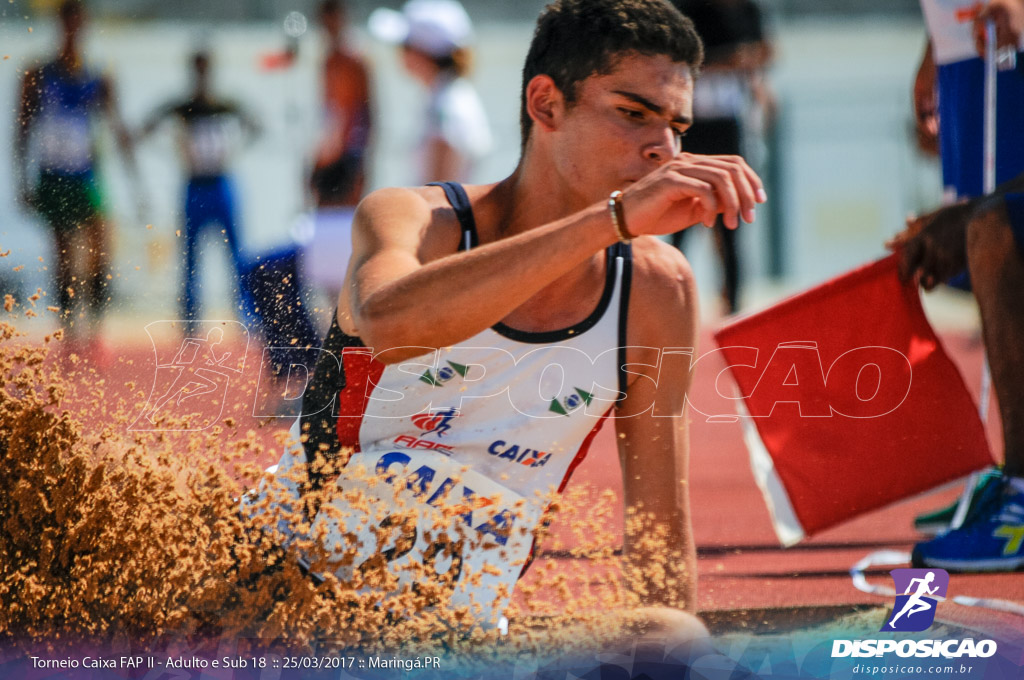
(989, 175)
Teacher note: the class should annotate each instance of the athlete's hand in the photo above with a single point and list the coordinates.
(692, 188)
(1008, 17)
(933, 247)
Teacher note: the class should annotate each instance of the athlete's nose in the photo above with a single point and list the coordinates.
(663, 148)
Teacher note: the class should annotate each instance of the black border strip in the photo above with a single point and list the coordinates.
(626, 251)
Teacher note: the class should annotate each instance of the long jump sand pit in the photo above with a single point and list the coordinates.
(114, 538)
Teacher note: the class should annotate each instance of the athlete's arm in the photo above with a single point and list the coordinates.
(155, 120)
(926, 118)
(27, 109)
(248, 121)
(117, 126)
(653, 435)
(398, 298)
(933, 247)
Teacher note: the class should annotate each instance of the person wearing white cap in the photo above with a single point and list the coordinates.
(435, 36)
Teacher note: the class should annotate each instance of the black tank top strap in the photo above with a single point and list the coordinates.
(625, 251)
(459, 201)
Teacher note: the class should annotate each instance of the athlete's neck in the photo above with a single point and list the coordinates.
(69, 56)
(535, 194)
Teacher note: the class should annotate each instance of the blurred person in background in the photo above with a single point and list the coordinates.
(949, 101)
(986, 236)
(731, 85)
(339, 173)
(338, 179)
(61, 104)
(269, 284)
(210, 129)
(435, 36)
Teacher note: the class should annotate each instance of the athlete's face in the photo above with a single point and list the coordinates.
(333, 21)
(624, 124)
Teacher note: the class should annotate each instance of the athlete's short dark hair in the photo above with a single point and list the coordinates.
(576, 39)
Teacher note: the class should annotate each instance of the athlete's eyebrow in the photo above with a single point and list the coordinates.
(656, 109)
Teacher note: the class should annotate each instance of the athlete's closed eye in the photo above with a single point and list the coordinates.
(634, 114)
(679, 134)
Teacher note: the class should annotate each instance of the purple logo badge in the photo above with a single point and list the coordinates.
(921, 590)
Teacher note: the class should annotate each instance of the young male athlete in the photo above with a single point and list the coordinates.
(61, 103)
(485, 332)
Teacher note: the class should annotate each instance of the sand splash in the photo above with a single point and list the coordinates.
(113, 537)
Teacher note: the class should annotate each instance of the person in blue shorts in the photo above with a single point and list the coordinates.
(950, 89)
(985, 236)
(211, 129)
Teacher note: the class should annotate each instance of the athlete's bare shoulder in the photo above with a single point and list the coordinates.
(33, 75)
(663, 301)
(415, 218)
(659, 268)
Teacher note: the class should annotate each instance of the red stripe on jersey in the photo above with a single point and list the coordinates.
(584, 449)
(362, 373)
(580, 455)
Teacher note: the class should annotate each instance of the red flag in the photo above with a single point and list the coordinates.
(850, 401)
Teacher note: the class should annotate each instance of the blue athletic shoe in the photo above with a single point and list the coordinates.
(991, 538)
(939, 521)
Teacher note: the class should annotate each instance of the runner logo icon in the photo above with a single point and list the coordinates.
(915, 609)
(435, 422)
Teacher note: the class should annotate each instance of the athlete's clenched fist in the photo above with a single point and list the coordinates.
(690, 189)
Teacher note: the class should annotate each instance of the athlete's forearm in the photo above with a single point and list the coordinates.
(1015, 185)
(993, 200)
(658, 541)
(125, 143)
(454, 298)
(663, 565)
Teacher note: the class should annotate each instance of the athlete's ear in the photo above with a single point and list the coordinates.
(544, 102)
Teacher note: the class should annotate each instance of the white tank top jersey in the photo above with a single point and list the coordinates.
(492, 426)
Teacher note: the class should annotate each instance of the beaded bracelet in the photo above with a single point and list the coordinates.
(618, 217)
